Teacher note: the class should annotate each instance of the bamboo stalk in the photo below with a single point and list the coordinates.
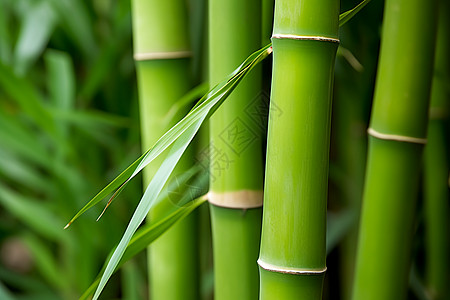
(235, 151)
(162, 61)
(292, 257)
(397, 136)
(436, 170)
(351, 111)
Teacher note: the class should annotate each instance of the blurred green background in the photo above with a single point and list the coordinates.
(68, 126)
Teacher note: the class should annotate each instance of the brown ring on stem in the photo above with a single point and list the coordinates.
(395, 137)
(305, 38)
(437, 113)
(242, 199)
(294, 271)
(162, 55)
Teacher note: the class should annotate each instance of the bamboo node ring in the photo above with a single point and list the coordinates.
(243, 199)
(162, 55)
(294, 271)
(437, 113)
(395, 137)
(306, 38)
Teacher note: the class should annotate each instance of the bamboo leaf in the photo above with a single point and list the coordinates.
(5, 294)
(60, 79)
(5, 35)
(148, 199)
(45, 262)
(28, 98)
(346, 16)
(191, 96)
(201, 111)
(32, 213)
(38, 25)
(111, 187)
(417, 287)
(350, 58)
(17, 170)
(76, 22)
(146, 235)
(338, 225)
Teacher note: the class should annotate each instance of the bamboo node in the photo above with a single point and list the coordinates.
(437, 113)
(395, 137)
(162, 55)
(305, 38)
(294, 271)
(242, 199)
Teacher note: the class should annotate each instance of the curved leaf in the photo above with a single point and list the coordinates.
(202, 110)
(346, 16)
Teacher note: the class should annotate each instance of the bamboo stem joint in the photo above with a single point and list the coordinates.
(242, 199)
(162, 55)
(294, 271)
(305, 38)
(395, 137)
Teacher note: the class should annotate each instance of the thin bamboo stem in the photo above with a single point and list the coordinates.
(236, 151)
(163, 70)
(436, 170)
(398, 123)
(292, 256)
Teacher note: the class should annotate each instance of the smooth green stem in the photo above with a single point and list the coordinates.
(387, 219)
(437, 211)
(398, 128)
(235, 252)
(295, 194)
(436, 169)
(161, 49)
(236, 150)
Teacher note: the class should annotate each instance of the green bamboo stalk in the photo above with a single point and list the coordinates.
(436, 170)
(162, 53)
(267, 20)
(351, 111)
(292, 258)
(235, 151)
(397, 136)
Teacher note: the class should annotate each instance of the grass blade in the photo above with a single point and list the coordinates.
(202, 110)
(346, 16)
(37, 27)
(152, 192)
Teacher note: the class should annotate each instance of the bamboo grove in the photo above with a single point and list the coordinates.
(290, 149)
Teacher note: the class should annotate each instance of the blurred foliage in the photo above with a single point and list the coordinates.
(68, 125)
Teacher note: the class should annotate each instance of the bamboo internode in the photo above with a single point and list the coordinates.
(292, 259)
(163, 73)
(399, 115)
(236, 156)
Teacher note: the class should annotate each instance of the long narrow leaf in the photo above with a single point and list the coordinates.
(346, 16)
(111, 187)
(151, 194)
(203, 109)
(145, 236)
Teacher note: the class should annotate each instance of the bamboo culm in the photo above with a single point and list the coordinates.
(397, 137)
(436, 169)
(292, 256)
(162, 56)
(236, 151)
